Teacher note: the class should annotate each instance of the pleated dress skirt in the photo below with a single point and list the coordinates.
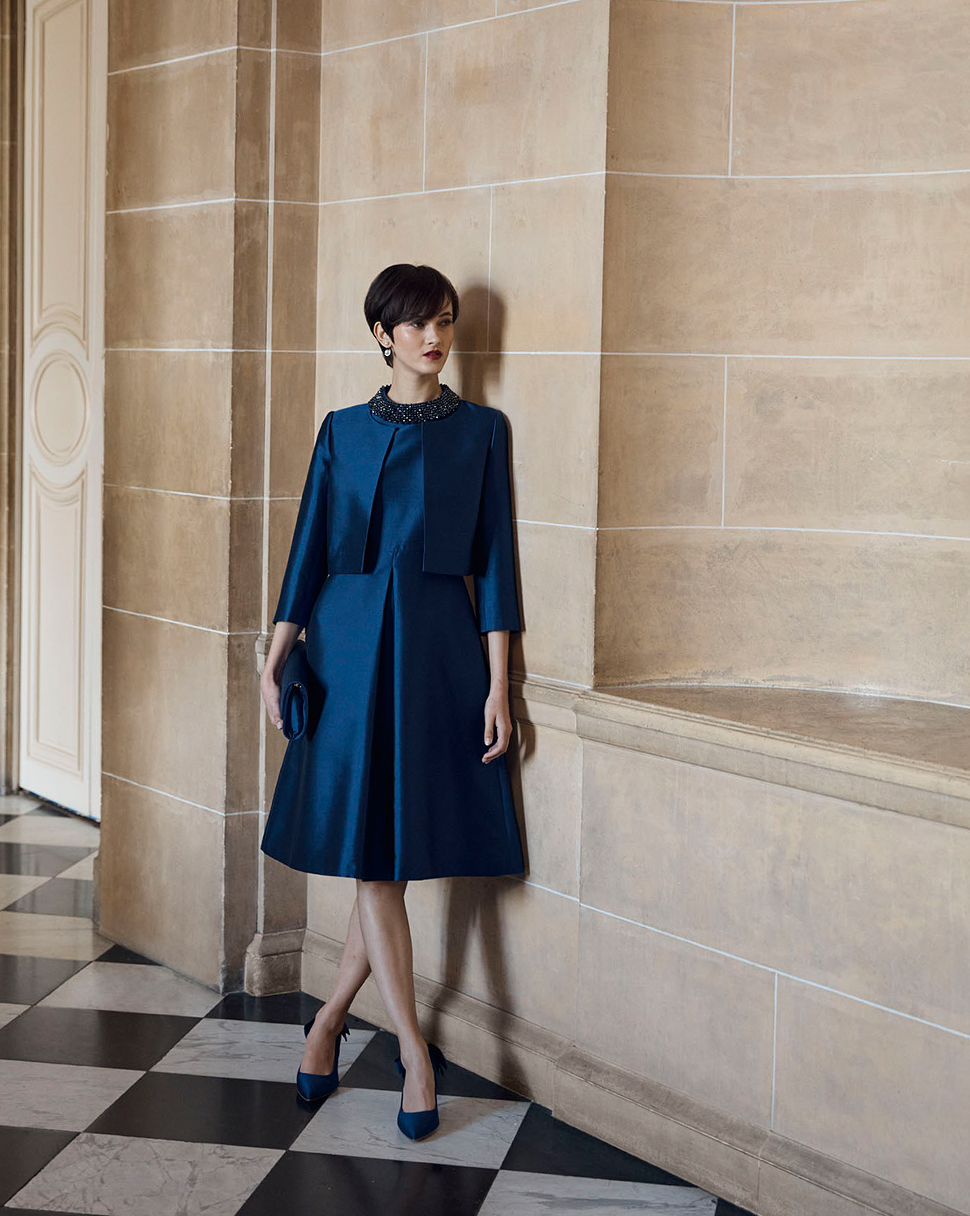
(388, 781)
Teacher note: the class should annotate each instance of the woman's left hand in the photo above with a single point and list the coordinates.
(498, 724)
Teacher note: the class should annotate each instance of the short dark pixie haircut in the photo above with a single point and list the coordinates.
(407, 293)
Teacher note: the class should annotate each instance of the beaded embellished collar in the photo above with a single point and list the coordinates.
(441, 406)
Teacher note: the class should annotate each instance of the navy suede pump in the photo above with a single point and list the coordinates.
(420, 1123)
(312, 1086)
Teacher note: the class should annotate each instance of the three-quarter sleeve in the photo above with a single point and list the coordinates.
(496, 596)
(306, 566)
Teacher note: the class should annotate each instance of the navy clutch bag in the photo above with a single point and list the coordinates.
(295, 692)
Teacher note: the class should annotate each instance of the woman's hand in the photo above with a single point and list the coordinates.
(498, 723)
(284, 635)
(269, 687)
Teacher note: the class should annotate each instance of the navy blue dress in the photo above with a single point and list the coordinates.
(388, 782)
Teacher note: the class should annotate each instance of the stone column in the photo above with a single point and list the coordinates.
(203, 285)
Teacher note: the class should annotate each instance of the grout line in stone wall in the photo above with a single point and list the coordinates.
(792, 177)
(121, 485)
(734, 24)
(488, 270)
(168, 620)
(216, 50)
(160, 63)
(265, 589)
(767, 528)
(613, 354)
(424, 120)
(776, 972)
(774, 1051)
(724, 441)
(174, 797)
(268, 333)
(519, 181)
(554, 177)
(364, 198)
(458, 25)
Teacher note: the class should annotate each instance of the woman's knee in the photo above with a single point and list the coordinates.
(381, 886)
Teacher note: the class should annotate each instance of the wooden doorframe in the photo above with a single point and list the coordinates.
(60, 454)
(11, 384)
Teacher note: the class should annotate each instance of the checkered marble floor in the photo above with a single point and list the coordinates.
(130, 1090)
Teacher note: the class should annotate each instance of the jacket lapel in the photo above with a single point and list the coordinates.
(357, 460)
(454, 453)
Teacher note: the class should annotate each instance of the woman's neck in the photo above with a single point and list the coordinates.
(408, 388)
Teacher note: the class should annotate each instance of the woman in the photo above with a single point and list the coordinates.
(395, 779)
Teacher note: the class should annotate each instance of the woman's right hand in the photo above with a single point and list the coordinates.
(284, 635)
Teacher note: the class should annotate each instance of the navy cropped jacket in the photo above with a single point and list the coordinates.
(467, 508)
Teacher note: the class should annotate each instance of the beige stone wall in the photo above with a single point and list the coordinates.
(784, 445)
(704, 949)
(735, 393)
(212, 113)
(471, 136)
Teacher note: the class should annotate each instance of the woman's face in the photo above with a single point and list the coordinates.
(422, 346)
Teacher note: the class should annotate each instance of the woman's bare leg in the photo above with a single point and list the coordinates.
(353, 970)
(387, 936)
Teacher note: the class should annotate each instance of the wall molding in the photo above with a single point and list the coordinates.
(743, 1163)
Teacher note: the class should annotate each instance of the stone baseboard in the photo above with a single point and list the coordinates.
(274, 963)
(745, 1164)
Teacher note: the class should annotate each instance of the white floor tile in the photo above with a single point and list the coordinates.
(515, 1193)
(257, 1051)
(83, 869)
(51, 830)
(50, 936)
(59, 1096)
(18, 804)
(131, 1176)
(134, 987)
(363, 1123)
(13, 886)
(9, 1012)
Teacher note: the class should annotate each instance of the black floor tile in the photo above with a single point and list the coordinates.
(729, 1209)
(545, 1145)
(121, 954)
(374, 1069)
(6, 819)
(24, 1151)
(42, 860)
(291, 1008)
(301, 1184)
(24, 979)
(97, 1038)
(59, 897)
(212, 1110)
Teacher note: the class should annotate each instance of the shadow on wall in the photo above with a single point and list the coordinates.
(480, 363)
(475, 905)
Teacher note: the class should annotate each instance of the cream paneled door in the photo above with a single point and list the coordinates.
(65, 75)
